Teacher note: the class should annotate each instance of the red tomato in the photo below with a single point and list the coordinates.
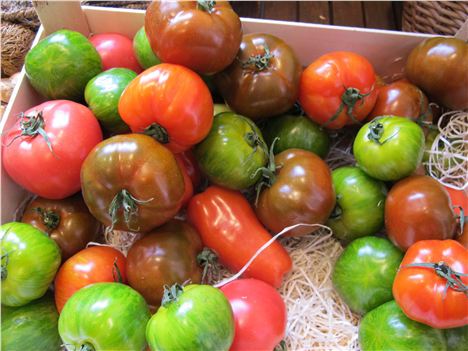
(188, 193)
(459, 199)
(50, 166)
(116, 50)
(338, 89)
(421, 289)
(191, 166)
(259, 315)
(94, 264)
(228, 225)
(172, 103)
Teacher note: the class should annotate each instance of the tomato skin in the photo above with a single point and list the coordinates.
(259, 315)
(205, 41)
(418, 208)
(59, 173)
(259, 93)
(189, 163)
(94, 264)
(228, 225)
(459, 198)
(188, 186)
(143, 52)
(324, 82)
(175, 98)
(302, 193)
(66, 221)
(116, 51)
(422, 294)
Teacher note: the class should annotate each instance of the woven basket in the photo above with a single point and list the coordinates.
(434, 17)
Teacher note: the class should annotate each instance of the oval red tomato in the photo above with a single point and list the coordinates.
(50, 166)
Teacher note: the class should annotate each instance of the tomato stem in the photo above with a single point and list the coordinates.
(126, 201)
(268, 173)
(281, 346)
(259, 61)
(206, 5)
(116, 274)
(50, 219)
(376, 131)
(207, 259)
(349, 99)
(157, 132)
(86, 347)
(171, 294)
(4, 267)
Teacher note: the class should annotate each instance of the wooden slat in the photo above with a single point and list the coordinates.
(314, 12)
(397, 13)
(379, 14)
(348, 13)
(246, 8)
(280, 10)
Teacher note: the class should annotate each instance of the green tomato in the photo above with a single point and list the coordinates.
(387, 328)
(296, 132)
(60, 65)
(102, 95)
(364, 272)
(104, 316)
(430, 137)
(232, 152)
(192, 318)
(220, 108)
(144, 54)
(30, 260)
(457, 338)
(389, 148)
(360, 202)
(31, 327)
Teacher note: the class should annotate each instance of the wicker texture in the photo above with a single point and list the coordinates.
(136, 5)
(434, 17)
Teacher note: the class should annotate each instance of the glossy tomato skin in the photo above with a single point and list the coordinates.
(324, 82)
(302, 193)
(205, 41)
(190, 164)
(104, 316)
(59, 173)
(140, 165)
(259, 314)
(173, 97)
(422, 294)
(116, 51)
(432, 61)
(165, 256)
(360, 202)
(418, 208)
(228, 225)
(188, 186)
(94, 264)
(143, 52)
(387, 328)
(232, 152)
(261, 92)
(394, 153)
(67, 221)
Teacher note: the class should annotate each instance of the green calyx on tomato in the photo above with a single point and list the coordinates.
(50, 219)
(259, 62)
(129, 204)
(349, 99)
(32, 126)
(206, 5)
(158, 132)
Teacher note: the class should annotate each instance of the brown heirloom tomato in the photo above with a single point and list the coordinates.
(439, 66)
(132, 182)
(166, 256)
(263, 81)
(301, 192)
(201, 35)
(418, 208)
(67, 221)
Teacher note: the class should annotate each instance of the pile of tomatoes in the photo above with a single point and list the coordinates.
(130, 138)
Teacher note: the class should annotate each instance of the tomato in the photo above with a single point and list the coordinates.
(463, 237)
(92, 265)
(30, 260)
(131, 182)
(389, 148)
(459, 198)
(170, 102)
(457, 338)
(338, 89)
(299, 190)
(143, 52)
(60, 65)
(296, 132)
(259, 314)
(228, 225)
(431, 63)
(188, 186)
(188, 161)
(233, 152)
(116, 51)
(104, 316)
(401, 98)
(364, 273)
(67, 221)
(387, 328)
(418, 208)
(360, 201)
(194, 317)
(42, 152)
(102, 95)
(31, 327)
(201, 35)
(218, 108)
(263, 80)
(166, 256)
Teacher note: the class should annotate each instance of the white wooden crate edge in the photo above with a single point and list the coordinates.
(386, 50)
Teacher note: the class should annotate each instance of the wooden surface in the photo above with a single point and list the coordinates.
(367, 14)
